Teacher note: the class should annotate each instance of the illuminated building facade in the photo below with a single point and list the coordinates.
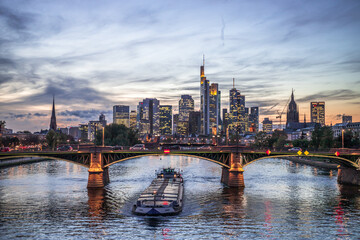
(165, 112)
(186, 105)
(204, 101)
(293, 112)
(214, 108)
(121, 115)
(175, 123)
(148, 119)
(93, 127)
(225, 121)
(133, 116)
(317, 110)
(267, 125)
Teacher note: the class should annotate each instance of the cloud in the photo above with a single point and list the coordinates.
(16, 20)
(84, 114)
(24, 115)
(337, 95)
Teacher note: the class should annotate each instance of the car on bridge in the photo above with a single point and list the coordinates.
(65, 148)
(138, 147)
(295, 149)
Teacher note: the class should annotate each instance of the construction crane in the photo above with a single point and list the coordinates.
(280, 114)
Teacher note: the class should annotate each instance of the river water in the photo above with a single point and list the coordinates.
(282, 200)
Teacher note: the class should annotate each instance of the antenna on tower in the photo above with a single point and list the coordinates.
(233, 82)
(204, 60)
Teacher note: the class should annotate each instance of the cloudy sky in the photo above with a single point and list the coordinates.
(94, 54)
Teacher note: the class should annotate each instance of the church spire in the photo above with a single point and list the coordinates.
(53, 117)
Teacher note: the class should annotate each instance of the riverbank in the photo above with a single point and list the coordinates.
(18, 161)
(315, 163)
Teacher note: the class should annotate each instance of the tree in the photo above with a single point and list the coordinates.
(116, 134)
(322, 137)
(316, 137)
(51, 139)
(278, 139)
(261, 140)
(301, 143)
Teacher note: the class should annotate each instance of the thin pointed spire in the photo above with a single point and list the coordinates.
(53, 116)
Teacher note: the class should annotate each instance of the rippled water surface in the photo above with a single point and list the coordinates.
(282, 200)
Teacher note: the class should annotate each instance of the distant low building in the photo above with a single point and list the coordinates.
(346, 119)
(267, 125)
(347, 126)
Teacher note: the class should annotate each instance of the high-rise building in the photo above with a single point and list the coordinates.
(214, 108)
(165, 112)
(267, 125)
(148, 117)
(186, 105)
(317, 110)
(53, 117)
(225, 121)
(237, 115)
(133, 116)
(121, 115)
(194, 123)
(346, 119)
(204, 101)
(93, 128)
(293, 112)
(254, 119)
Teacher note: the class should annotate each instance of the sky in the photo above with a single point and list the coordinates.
(96, 54)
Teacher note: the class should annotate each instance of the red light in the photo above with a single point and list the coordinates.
(165, 203)
(268, 152)
(166, 151)
(337, 153)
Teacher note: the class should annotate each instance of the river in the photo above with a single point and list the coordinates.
(282, 200)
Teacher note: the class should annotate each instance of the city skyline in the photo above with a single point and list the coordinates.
(94, 55)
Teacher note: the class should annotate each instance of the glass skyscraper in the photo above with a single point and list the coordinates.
(204, 102)
(214, 108)
(165, 115)
(186, 105)
(148, 120)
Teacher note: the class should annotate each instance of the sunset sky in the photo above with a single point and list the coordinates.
(95, 54)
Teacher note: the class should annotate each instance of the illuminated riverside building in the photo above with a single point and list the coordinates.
(133, 116)
(95, 126)
(121, 115)
(267, 125)
(317, 110)
(165, 112)
(175, 123)
(214, 108)
(204, 101)
(186, 105)
(148, 120)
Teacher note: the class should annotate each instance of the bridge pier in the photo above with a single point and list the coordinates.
(233, 177)
(98, 175)
(348, 176)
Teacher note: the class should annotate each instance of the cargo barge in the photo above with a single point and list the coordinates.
(164, 196)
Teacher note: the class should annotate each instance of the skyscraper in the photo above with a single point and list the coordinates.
(254, 119)
(121, 115)
(53, 117)
(214, 108)
(165, 112)
(237, 115)
(317, 110)
(194, 123)
(148, 116)
(102, 120)
(186, 105)
(293, 112)
(204, 101)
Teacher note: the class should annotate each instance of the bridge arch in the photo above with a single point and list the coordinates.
(44, 157)
(171, 154)
(339, 160)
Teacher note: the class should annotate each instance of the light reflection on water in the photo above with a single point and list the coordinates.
(281, 200)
